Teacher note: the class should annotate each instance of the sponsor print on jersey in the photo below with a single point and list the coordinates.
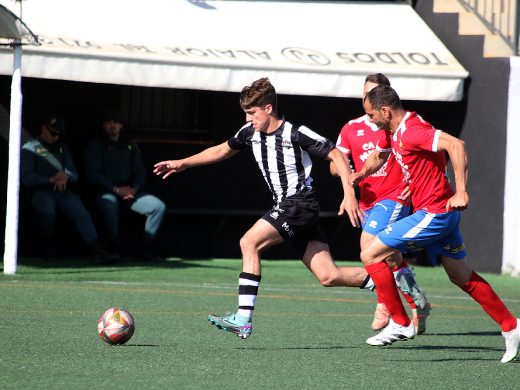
(404, 167)
(368, 148)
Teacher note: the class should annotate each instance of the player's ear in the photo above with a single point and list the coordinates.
(387, 113)
(268, 109)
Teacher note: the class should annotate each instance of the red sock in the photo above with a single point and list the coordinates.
(483, 293)
(387, 290)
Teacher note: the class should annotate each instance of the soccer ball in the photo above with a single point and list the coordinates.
(116, 326)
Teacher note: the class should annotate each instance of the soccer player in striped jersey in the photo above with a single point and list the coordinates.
(421, 149)
(381, 199)
(283, 153)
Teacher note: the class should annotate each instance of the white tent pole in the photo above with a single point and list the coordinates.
(13, 178)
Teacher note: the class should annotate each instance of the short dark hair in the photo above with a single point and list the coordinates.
(113, 115)
(260, 93)
(377, 78)
(383, 96)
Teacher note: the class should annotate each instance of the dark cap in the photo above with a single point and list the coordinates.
(55, 123)
(112, 115)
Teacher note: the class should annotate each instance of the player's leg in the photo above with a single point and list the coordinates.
(479, 289)
(382, 215)
(399, 327)
(318, 260)
(259, 237)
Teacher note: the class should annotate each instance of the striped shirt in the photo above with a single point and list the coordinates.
(283, 156)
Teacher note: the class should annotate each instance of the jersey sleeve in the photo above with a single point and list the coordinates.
(420, 138)
(384, 144)
(242, 139)
(313, 143)
(343, 142)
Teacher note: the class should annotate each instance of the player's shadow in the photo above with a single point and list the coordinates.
(309, 348)
(488, 333)
(140, 345)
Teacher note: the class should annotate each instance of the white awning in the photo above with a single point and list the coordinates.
(305, 48)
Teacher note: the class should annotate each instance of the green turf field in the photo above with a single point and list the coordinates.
(305, 336)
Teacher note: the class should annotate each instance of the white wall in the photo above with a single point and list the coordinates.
(511, 251)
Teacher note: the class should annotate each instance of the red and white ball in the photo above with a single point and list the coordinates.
(116, 326)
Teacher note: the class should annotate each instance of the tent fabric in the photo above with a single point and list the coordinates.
(305, 48)
(12, 29)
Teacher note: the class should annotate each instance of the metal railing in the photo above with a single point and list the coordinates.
(501, 16)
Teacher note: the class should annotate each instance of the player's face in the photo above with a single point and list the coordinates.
(368, 87)
(49, 135)
(377, 117)
(112, 129)
(259, 117)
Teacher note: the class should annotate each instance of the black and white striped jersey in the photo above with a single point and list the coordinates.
(283, 156)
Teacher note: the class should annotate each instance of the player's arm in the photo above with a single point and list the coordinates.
(334, 170)
(349, 204)
(208, 156)
(459, 160)
(373, 163)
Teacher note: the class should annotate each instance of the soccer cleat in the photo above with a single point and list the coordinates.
(393, 332)
(233, 323)
(381, 317)
(512, 343)
(419, 318)
(406, 282)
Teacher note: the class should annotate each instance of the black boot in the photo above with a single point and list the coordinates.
(101, 255)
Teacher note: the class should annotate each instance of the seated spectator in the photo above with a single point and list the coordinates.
(115, 169)
(47, 170)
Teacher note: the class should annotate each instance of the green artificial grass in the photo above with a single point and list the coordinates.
(305, 336)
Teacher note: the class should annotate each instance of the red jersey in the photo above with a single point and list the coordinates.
(358, 138)
(414, 145)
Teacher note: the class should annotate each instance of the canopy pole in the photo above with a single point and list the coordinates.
(13, 178)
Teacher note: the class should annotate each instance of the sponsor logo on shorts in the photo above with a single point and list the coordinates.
(288, 229)
(373, 224)
(389, 230)
(274, 215)
(454, 249)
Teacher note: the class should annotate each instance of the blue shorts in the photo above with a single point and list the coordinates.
(438, 234)
(382, 215)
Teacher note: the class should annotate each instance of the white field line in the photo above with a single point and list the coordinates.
(298, 289)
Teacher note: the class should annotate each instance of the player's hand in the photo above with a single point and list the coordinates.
(405, 194)
(126, 192)
(59, 181)
(351, 207)
(166, 168)
(355, 178)
(458, 202)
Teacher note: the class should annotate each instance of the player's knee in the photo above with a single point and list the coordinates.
(247, 244)
(329, 279)
(160, 207)
(365, 257)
